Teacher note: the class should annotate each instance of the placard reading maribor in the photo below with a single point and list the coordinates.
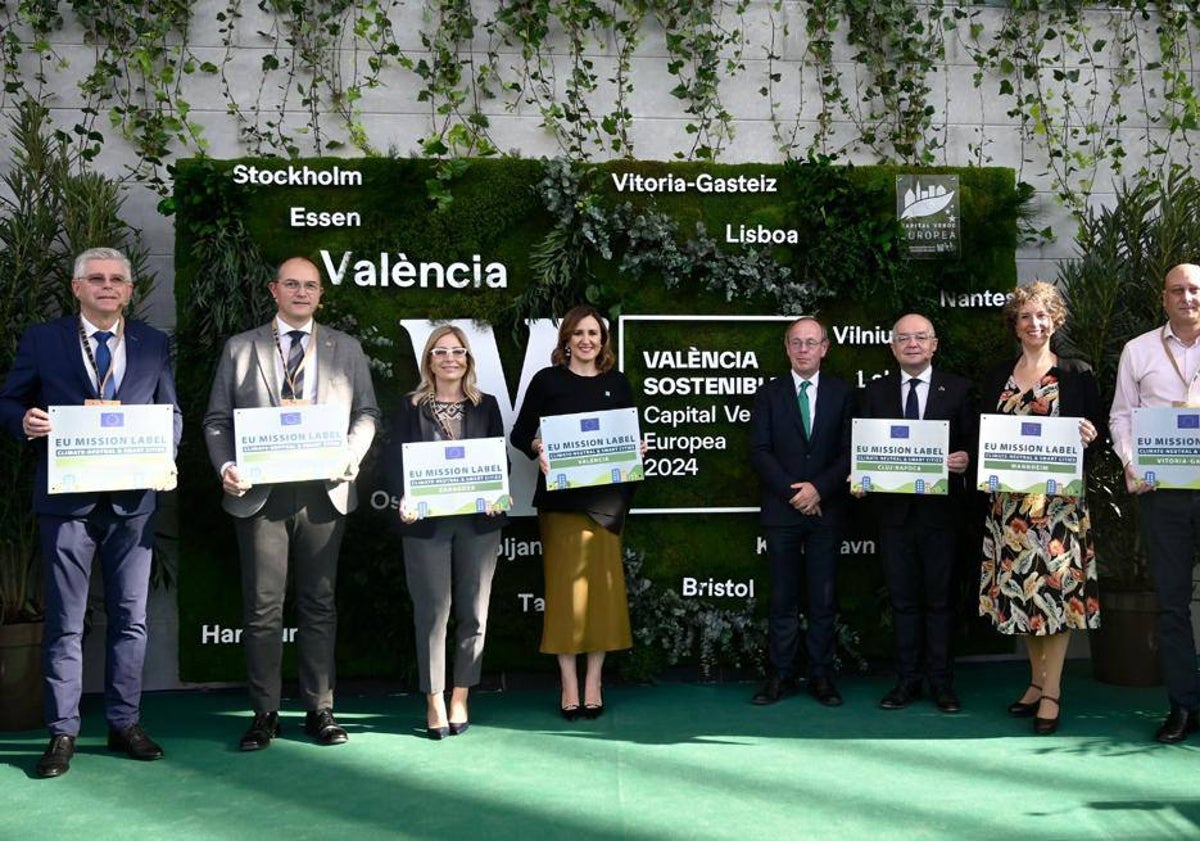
(592, 448)
(1166, 446)
(110, 448)
(900, 456)
(445, 478)
(291, 443)
(1023, 454)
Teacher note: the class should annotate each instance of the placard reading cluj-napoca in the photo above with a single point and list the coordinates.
(899, 456)
(592, 448)
(444, 478)
(110, 448)
(1166, 446)
(291, 443)
(1030, 455)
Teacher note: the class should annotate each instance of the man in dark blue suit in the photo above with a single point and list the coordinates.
(800, 447)
(95, 355)
(919, 535)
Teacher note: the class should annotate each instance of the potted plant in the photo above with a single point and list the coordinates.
(51, 208)
(1115, 294)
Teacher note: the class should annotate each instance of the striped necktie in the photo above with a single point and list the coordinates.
(293, 378)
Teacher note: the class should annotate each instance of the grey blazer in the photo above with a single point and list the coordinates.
(246, 378)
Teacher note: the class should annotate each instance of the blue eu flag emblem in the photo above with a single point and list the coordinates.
(1030, 428)
(109, 420)
(899, 431)
(589, 425)
(456, 452)
(290, 419)
(1189, 421)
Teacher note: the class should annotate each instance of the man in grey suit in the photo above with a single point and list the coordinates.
(291, 360)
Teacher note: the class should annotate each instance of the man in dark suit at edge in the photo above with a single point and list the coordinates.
(800, 448)
(292, 360)
(93, 355)
(918, 535)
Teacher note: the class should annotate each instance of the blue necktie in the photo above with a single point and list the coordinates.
(107, 387)
(912, 409)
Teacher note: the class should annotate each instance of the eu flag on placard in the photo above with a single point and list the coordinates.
(899, 431)
(589, 424)
(290, 419)
(456, 452)
(108, 420)
(1030, 428)
(1189, 422)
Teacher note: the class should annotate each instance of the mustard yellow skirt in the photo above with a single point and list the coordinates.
(586, 605)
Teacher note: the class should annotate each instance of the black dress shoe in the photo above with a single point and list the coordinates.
(134, 741)
(773, 690)
(262, 730)
(1023, 709)
(437, 733)
(1046, 726)
(593, 710)
(570, 712)
(946, 699)
(1177, 725)
(900, 696)
(321, 725)
(56, 761)
(457, 728)
(823, 689)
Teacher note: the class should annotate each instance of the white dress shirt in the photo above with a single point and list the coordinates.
(1146, 377)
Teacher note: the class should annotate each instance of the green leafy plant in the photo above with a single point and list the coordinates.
(1115, 294)
(668, 628)
(51, 208)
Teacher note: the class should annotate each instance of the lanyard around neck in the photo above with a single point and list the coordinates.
(119, 333)
(292, 376)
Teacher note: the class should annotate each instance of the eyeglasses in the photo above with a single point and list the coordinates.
(99, 280)
(905, 338)
(810, 344)
(443, 352)
(296, 285)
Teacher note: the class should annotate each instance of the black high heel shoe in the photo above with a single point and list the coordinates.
(437, 733)
(1023, 709)
(1046, 726)
(593, 710)
(570, 712)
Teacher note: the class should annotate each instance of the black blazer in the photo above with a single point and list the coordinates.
(782, 455)
(482, 421)
(1078, 394)
(951, 398)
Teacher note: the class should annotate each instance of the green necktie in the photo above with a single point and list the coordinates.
(805, 412)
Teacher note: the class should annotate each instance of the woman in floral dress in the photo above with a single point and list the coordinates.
(1038, 577)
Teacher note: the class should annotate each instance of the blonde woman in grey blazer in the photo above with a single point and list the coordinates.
(290, 359)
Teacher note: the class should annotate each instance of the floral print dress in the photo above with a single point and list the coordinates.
(1039, 570)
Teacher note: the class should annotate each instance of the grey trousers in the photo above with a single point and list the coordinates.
(456, 561)
(298, 522)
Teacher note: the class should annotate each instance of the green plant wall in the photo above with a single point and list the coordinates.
(631, 253)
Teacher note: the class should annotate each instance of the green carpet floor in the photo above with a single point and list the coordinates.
(669, 761)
